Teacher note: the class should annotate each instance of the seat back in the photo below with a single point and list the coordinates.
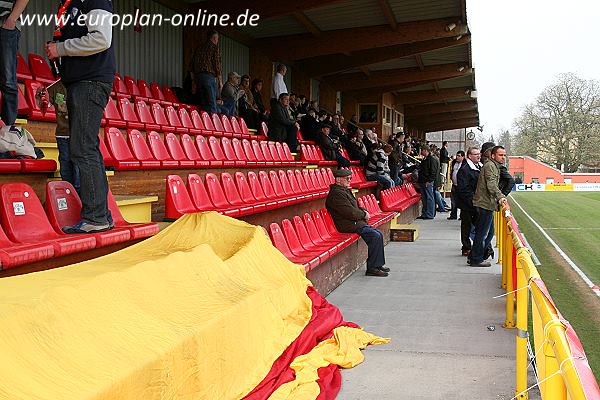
(197, 120)
(207, 121)
(301, 181)
(264, 129)
(174, 147)
(243, 126)
(117, 145)
(131, 86)
(244, 188)
(292, 238)
(216, 120)
(159, 114)
(215, 191)
(127, 110)
(329, 176)
(305, 240)
(281, 153)
(23, 71)
(256, 187)
(144, 89)
(238, 150)
(228, 150)
(308, 181)
(22, 214)
(204, 149)
(304, 154)
(34, 101)
(138, 146)
(277, 186)
(258, 151)
(329, 224)
(311, 227)
(313, 178)
(215, 148)
(198, 192)
(267, 186)
(230, 190)
(226, 124)
(157, 93)
(106, 155)
(264, 147)
(189, 147)
(157, 146)
(143, 112)
(111, 111)
(119, 86)
(248, 150)
(293, 182)
(63, 205)
(185, 119)
(177, 198)
(169, 95)
(285, 183)
(273, 151)
(320, 179)
(279, 240)
(235, 125)
(40, 69)
(320, 224)
(172, 117)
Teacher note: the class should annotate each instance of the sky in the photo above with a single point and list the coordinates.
(520, 47)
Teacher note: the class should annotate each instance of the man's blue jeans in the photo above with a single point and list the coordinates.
(484, 233)
(207, 88)
(374, 240)
(68, 170)
(86, 101)
(9, 47)
(385, 181)
(439, 200)
(428, 200)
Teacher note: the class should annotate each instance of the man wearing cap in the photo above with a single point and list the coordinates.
(231, 93)
(487, 199)
(348, 217)
(330, 147)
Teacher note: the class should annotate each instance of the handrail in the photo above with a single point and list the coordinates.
(561, 363)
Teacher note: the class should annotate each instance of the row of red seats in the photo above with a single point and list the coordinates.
(244, 194)
(313, 154)
(399, 198)
(359, 179)
(135, 152)
(23, 165)
(313, 239)
(29, 233)
(39, 70)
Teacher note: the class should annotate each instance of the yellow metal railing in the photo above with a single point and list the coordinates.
(562, 369)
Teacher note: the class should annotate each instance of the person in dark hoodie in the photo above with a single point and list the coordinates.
(348, 217)
(466, 183)
(86, 59)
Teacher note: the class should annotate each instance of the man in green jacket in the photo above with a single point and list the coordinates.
(348, 217)
(487, 199)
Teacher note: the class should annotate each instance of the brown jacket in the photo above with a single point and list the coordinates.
(344, 210)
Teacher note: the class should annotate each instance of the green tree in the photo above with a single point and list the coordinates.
(562, 126)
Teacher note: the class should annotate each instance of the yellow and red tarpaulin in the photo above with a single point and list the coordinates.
(207, 309)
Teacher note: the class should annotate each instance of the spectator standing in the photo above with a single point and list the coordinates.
(10, 32)
(444, 160)
(257, 85)
(426, 180)
(348, 217)
(206, 72)
(247, 105)
(456, 164)
(279, 86)
(466, 184)
(309, 125)
(87, 68)
(282, 126)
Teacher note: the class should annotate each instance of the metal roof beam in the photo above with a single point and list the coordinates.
(439, 118)
(413, 112)
(457, 124)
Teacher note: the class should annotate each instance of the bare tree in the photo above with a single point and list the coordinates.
(562, 126)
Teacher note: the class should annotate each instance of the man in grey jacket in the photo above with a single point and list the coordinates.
(487, 199)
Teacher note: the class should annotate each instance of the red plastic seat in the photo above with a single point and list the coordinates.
(249, 152)
(218, 125)
(176, 151)
(217, 196)
(239, 152)
(160, 118)
(128, 114)
(191, 151)
(187, 122)
(246, 193)
(264, 129)
(280, 242)
(140, 150)
(145, 117)
(112, 117)
(145, 91)
(120, 88)
(206, 153)
(272, 187)
(133, 88)
(230, 153)
(295, 243)
(260, 156)
(290, 184)
(235, 125)
(315, 236)
(177, 199)
(123, 159)
(23, 71)
(33, 102)
(109, 161)
(199, 195)
(10, 166)
(137, 230)
(268, 154)
(25, 221)
(330, 226)
(15, 254)
(226, 124)
(157, 94)
(308, 243)
(22, 105)
(160, 152)
(259, 193)
(170, 96)
(40, 69)
(342, 239)
(174, 121)
(208, 124)
(63, 208)
(233, 196)
(287, 186)
(217, 151)
(197, 121)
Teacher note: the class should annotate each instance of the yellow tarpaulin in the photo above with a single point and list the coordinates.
(200, 311)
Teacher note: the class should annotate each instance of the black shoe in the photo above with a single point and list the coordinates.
(384, 269)
(376, 272)
(488, 253)
(483, 264)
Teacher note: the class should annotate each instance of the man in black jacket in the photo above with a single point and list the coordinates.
(466, 184)
(427, 174)
(348, 217)
(87, 68)
(282, 126)
(330, 147)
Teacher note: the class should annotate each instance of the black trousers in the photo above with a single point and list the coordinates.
(468, 219)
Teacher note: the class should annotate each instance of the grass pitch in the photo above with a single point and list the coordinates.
(572, 220)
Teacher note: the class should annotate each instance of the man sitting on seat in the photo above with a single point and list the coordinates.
(348, 217)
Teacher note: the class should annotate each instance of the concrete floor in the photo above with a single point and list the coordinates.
(437, 311)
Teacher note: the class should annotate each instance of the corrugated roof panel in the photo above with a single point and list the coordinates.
(347, 14)
(281, 26)
(427, 86)
(408, 62)
(419, 10)
(457, 54)
(463, 81)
